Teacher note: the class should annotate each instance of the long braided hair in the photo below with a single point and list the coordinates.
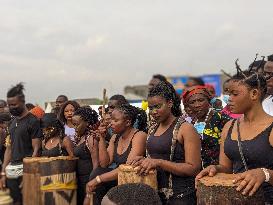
(136, 116)
(167, 91)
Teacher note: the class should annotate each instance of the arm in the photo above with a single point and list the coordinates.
(36, 145)
(67, 144)
(108, 153)
(7, 158)
(188, 136)
(94, 151)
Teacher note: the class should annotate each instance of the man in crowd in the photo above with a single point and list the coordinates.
(24, 141)
(268, 101)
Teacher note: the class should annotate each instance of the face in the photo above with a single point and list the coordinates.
(240, 99)
(112, 104)
(159, 108)
(106, 201)
(79, 124)
(60, 101)
(69, 112)
(2, 107)
(211, 91)
(199, 105)
(16, 106)
(226, 88)
(268, 70)
(154, 82)
(119, 123)
(107, 119)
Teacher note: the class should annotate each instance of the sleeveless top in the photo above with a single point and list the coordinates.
(119, 159)
(84, 163)
(56, 151)
(257, 152)
(159, 147)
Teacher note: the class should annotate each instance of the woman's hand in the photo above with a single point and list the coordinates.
(91, 186)
(208, 171)
(147, 165)
(249, 181)
(136, 161)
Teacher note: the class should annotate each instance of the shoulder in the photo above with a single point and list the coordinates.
(139, 136)
(227, 127)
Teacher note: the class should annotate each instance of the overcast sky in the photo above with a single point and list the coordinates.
(78, 47)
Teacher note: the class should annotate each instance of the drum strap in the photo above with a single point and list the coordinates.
(168, 192)
(240, 145)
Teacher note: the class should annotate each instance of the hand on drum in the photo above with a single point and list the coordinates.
(136, 161)
(249, 181)
(208, 171)
(146, 165)
(91, 186)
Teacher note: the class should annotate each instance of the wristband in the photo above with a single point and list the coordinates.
(266, 173)
(98, 179)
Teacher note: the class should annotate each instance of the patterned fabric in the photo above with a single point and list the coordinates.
(211, 138)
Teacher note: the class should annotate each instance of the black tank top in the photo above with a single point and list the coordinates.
(56, 151)
(257, 152)
(159, 147)
(122, 158)
(84, 163)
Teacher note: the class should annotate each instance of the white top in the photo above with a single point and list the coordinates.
(69, 132)
(268, 105)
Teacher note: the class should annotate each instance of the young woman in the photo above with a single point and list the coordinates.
(65, 115)
(85, 120)
(173, 148)
(247, 143)
(55, 142)
(208, 123)
(126, 143)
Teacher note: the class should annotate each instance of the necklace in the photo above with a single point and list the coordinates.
(200, 126)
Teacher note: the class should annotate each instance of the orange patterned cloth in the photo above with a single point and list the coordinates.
(38, 112)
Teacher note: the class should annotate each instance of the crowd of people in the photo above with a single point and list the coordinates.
(183, 145)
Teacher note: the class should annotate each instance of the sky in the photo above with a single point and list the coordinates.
(77, 48)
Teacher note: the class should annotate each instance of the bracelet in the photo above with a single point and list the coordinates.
(3, 174)
(266, 173)
(98, 179)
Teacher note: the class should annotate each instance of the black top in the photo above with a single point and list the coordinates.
(159, 147)
(119, 159)
(22, 131)
(56, 151)
(84, 163)
(257, 152)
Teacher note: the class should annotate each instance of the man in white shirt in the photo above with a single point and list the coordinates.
(268, 101)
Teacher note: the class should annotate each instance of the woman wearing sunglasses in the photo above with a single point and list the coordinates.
(55, 142)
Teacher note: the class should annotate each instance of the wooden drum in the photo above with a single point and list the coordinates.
(127, 174)
(220, 190)
(50, 181)
(5, 198)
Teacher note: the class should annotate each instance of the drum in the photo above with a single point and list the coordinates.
(220, 190)
(127, 174)
(50, 181)
(5, 198)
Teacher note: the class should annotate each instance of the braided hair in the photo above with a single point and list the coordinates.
(252, 79)
(136, 115)
(88, 115)
(167, 91)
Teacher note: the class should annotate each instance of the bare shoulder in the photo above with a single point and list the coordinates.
(140, 136)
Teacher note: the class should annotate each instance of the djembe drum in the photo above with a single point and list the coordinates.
(220, 190)
(127, 174)
(5, 198)
(49, 181)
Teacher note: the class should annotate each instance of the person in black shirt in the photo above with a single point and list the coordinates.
(25, 134)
